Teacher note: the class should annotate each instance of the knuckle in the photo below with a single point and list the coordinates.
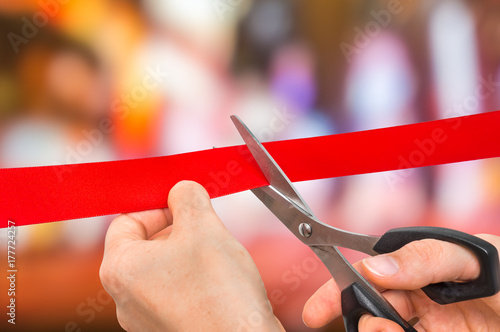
(196, 211)
(109, 275)
(200, 204)
(122, 319)
(425, 251)
(131, 220)
(190, 199)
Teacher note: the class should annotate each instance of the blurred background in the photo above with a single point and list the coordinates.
(165, 76)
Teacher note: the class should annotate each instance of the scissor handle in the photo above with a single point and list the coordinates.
(357, 301)
(488, 282)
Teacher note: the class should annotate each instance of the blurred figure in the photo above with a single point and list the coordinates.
(457, 79)
(66, 98)
(380, 92)
(117, 79)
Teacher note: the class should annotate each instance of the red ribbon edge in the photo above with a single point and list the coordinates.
(34, 195)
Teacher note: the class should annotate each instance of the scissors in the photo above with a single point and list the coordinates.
(358, 296)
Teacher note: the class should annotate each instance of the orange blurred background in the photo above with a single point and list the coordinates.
(168, 74)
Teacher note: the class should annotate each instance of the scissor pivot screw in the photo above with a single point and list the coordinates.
(305, 230)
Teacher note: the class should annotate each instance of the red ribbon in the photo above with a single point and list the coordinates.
(53, 193)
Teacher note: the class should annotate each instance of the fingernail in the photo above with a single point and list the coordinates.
(383, 266)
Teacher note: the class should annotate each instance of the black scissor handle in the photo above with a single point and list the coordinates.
(488, 282)
(357, 301)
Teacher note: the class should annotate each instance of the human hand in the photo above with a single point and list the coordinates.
(179, 269)
(400, 275)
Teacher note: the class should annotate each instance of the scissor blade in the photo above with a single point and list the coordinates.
(357, 295)
(321, 234)
(273, 173)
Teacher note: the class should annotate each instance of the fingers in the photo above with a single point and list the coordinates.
(191, 207)
(492, 301)
(421, 263)
(325, 304)
(188, 202)
(323, 307)
(414, 266)
(368, 323)
(164, 233)
(137, 226)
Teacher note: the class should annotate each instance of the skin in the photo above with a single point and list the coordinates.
(179, 269)
(416, 265)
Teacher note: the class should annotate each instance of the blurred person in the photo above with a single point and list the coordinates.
(58, 122)
(279, 102)
(61, 115)
(199, 91)
(193, 44)
(380, 91)
(268, 25)
(459, 91)
(180, 269)
(487, 19)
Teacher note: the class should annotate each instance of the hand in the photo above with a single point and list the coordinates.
(179, 269)
(400, 275)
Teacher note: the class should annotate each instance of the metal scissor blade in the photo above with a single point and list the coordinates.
(357, 295)
(321, 234)
(273, 173)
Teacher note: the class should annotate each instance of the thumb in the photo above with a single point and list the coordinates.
(191, 208)
(421, 263)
